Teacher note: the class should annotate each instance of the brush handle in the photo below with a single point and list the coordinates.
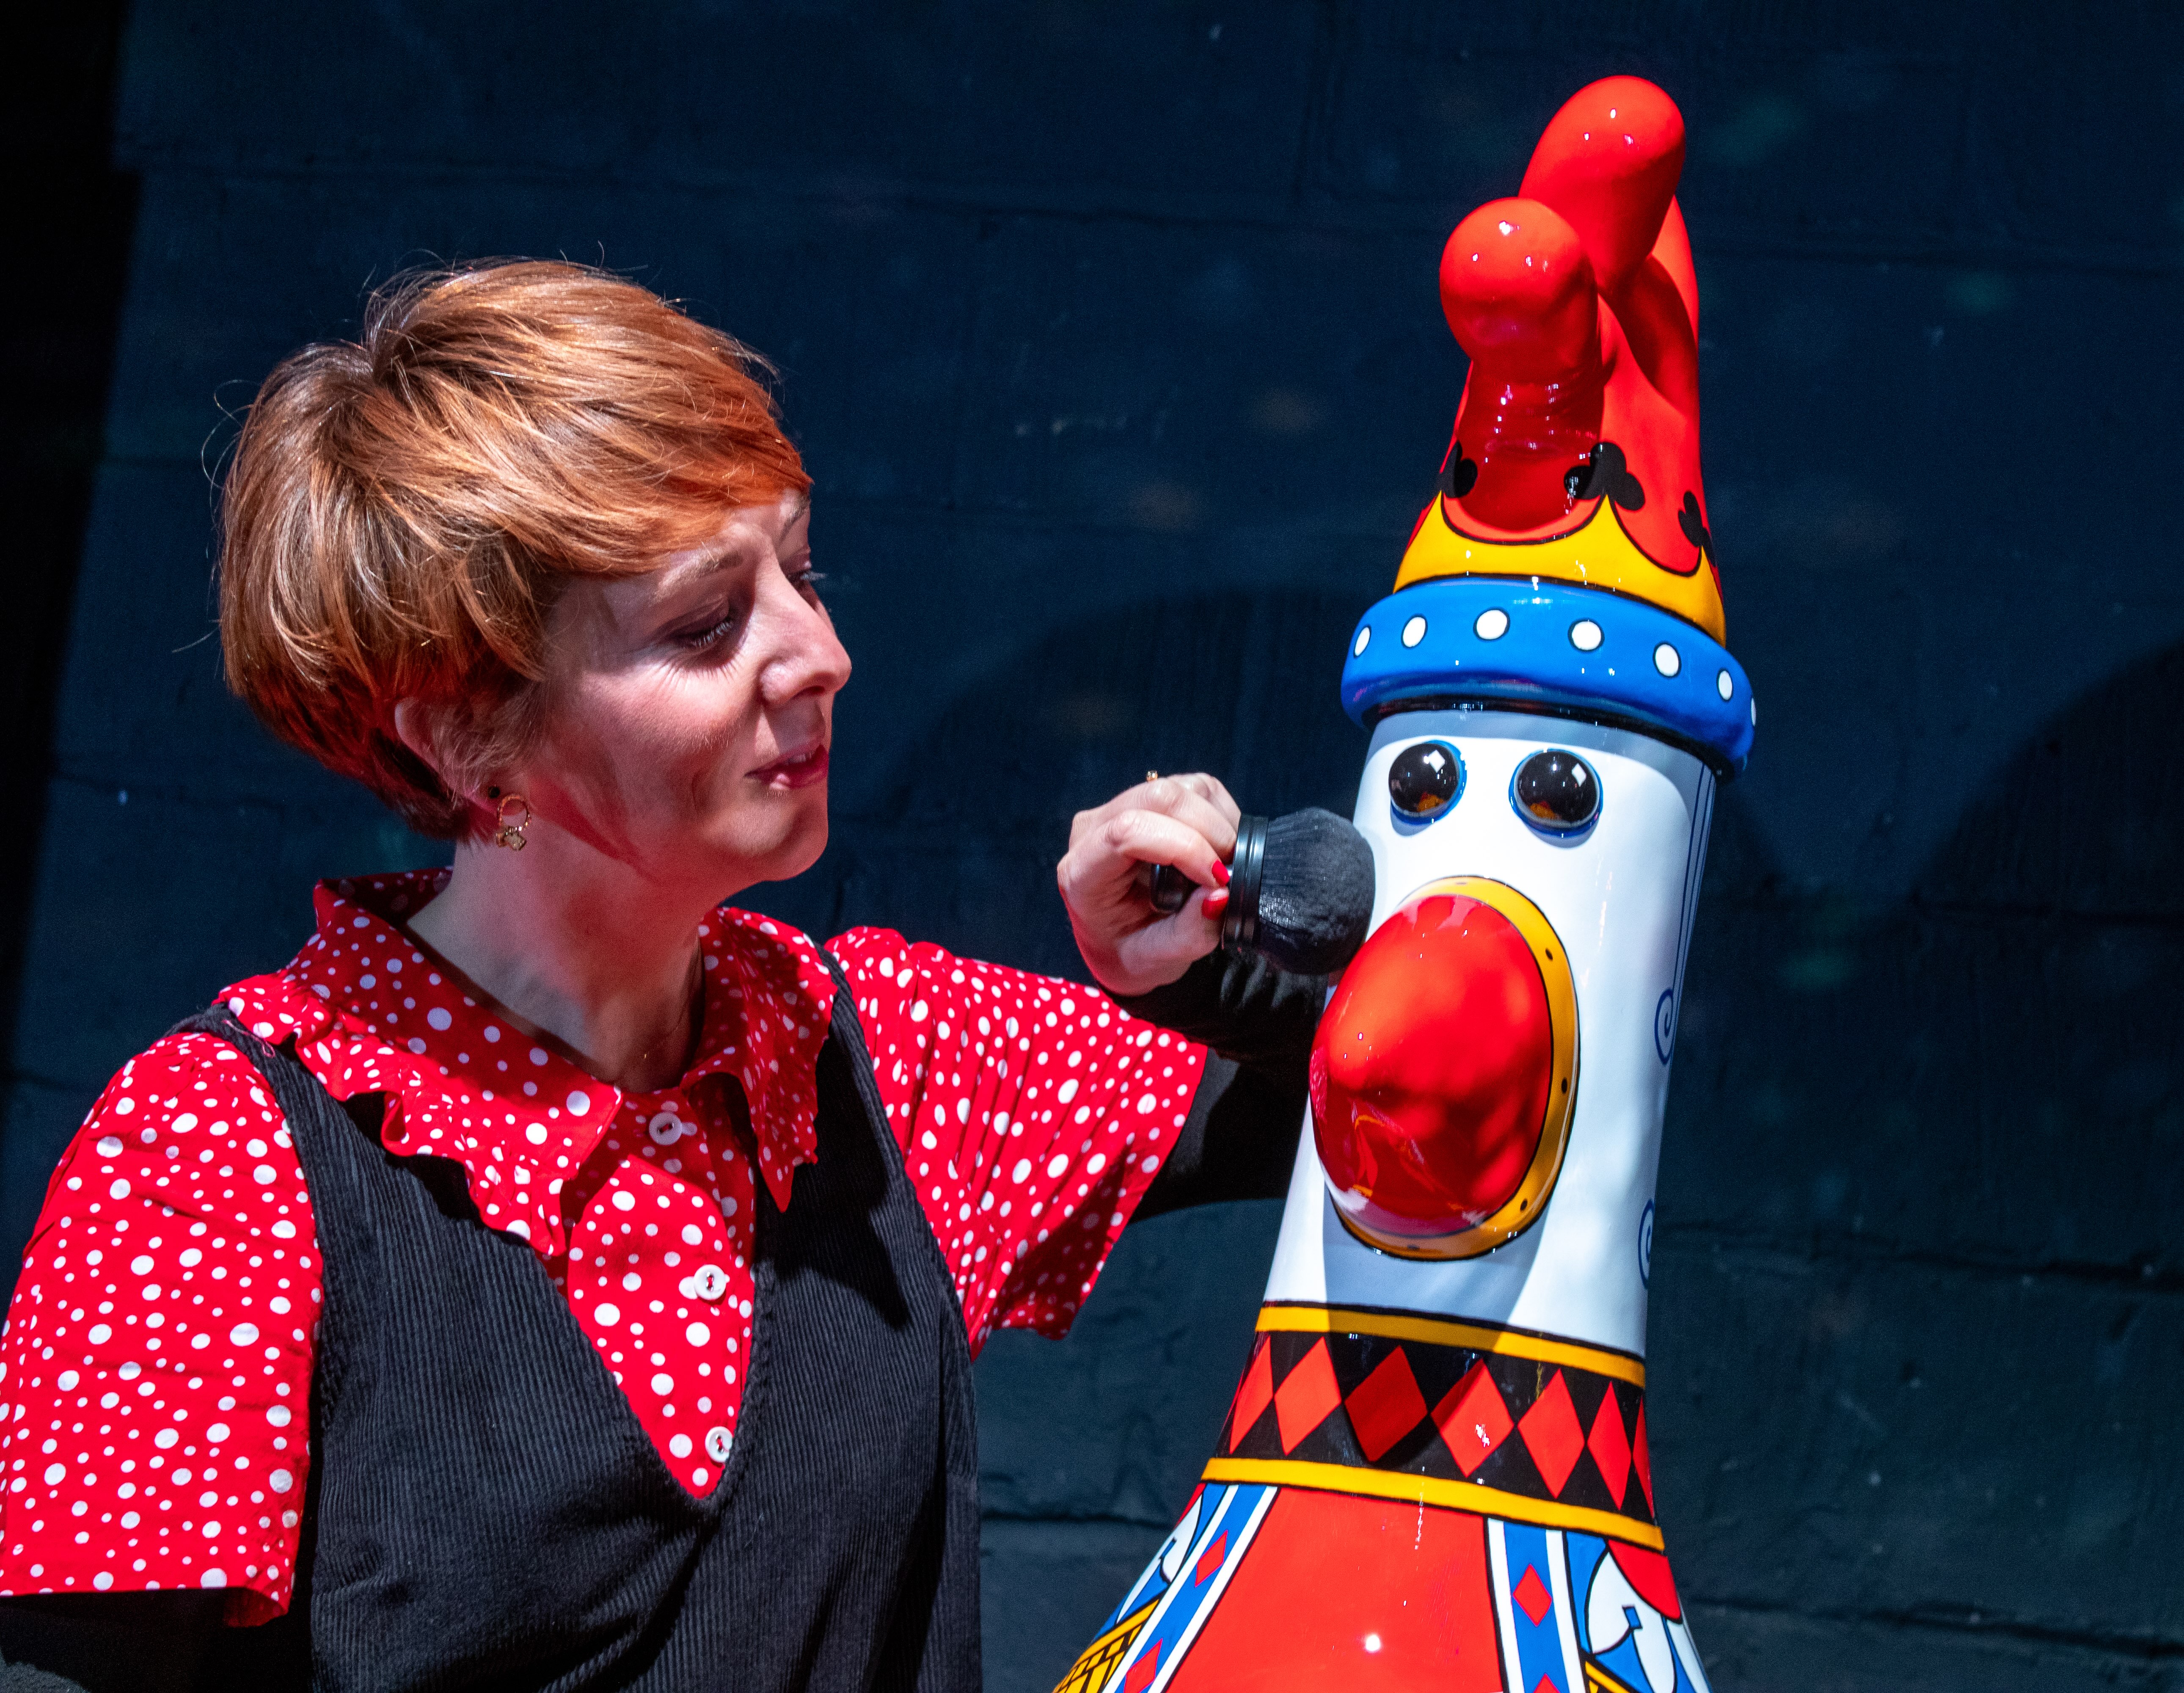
(1239, 925)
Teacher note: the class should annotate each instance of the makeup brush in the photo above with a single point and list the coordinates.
(1300, 891)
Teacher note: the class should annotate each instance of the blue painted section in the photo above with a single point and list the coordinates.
(1224, 1532)
(1588, 1556)
(1534, 661)
(1538, 1645)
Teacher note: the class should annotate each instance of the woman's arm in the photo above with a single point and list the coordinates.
(1239, 1139)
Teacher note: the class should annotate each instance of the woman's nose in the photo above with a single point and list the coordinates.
(801, 654)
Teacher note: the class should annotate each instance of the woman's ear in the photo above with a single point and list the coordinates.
(425, 733)
(414, 728)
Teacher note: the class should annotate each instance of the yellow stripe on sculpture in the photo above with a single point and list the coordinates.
(1426, 1490)
(1435, 1331)
(1597, 553)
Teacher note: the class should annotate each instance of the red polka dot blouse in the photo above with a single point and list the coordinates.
(157, 1363)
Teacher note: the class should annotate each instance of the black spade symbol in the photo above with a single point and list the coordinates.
(1606, 472)
(1458, 475)
(1694, 526)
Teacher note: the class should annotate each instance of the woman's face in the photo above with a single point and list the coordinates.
(690, 710)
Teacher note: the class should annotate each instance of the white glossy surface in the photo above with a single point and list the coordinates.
(1622, 898)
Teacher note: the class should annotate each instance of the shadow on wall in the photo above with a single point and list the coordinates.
(1920, 1192)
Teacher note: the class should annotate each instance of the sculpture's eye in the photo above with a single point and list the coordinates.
(1556, 792)
(1425, 779)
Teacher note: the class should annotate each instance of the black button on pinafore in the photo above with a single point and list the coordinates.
(485, 1511)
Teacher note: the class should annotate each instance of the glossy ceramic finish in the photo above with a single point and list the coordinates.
(1622, 896)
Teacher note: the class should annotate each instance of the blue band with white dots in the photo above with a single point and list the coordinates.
(1553, 647)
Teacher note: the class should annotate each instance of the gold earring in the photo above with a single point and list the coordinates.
(512, 817)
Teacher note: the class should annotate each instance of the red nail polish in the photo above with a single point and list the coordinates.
(1217, 902)
(1220, 872)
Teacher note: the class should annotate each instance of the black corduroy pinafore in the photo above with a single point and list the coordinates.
(485, 1511)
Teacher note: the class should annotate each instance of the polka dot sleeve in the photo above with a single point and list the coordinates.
(157, 1361)
(1033, 1114)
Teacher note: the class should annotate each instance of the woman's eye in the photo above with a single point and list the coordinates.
(1556, 792)
(697, 640)
(1425, 779)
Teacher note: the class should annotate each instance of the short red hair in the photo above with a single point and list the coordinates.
(403, 510)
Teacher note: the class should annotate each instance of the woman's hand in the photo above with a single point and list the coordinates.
(1105, 878)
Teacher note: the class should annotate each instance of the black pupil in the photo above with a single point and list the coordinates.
(1558, 790)
(1425, 778)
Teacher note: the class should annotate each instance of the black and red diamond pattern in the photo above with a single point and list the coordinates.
(1542, 1430)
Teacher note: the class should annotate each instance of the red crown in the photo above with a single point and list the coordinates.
(1575, 453)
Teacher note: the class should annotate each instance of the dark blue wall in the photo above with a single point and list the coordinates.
(1109, 333)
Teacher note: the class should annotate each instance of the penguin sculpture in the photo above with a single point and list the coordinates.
(1437, 1469)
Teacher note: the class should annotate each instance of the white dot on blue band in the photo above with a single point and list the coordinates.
(1667, 660)
(1584, 635)
(1414, 631)
(1364, 640)
(1724, 684)
(1492, 623)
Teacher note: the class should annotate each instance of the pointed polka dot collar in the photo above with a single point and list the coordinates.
(371, 1012)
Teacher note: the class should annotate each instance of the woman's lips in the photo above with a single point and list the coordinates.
(807, 769)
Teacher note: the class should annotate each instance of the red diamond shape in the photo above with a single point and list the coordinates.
(1385, 1407)
(1641, 1460)
(1252, 1394)
(1552, 1435)
(1532, 1593)
(1473, 1420)
(1306, 1395)
(1210, 1560)
(1139, 1675)
(1611, 1447)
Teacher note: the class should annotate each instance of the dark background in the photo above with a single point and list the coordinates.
(1109, 330)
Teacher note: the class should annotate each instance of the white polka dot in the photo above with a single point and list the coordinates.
(1023, 1169)
(55, 1473)
(1056, 1165)
(119, 1190)
(266, 1175)
(141, 1264)
(103, 1580)
(697, 1334)
(1414, 631)
(1724, 684)
(624, 1199)
(536, 1134)
(693, 1235)
(579, 1102)
(678, 1445)
(438, 1017)
(1667, 660)
(243, 1333)
(213, 1578)
(1584, 635)
(166, 1440)
(605, 1315)
(109, 1146)
(1491, 624)
(1364, 640)
(217, 1432)
(663, 1384)
(100, 1334)
(281, 1481)
(279, 1416)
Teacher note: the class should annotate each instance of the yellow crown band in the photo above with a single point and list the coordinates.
(1597, 553)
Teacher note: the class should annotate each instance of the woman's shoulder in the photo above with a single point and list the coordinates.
(171, 1128)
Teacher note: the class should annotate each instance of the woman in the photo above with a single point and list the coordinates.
(553, 1276)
